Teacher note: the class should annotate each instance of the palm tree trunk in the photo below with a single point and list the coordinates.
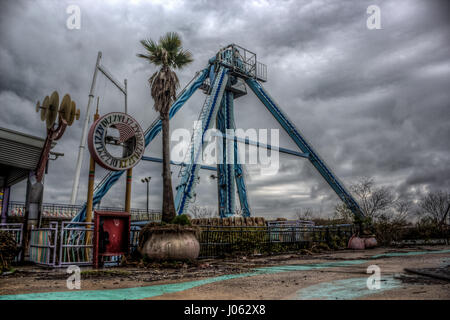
(168, 207)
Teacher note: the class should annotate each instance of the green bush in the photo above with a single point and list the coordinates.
(182, 219)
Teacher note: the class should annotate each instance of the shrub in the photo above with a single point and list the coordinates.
(182, 219)
(387, 231)
(8, 250)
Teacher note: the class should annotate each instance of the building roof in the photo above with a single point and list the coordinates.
(19, 153)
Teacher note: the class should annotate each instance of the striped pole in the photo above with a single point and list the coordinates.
(90, 193)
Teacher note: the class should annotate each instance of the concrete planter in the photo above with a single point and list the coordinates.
(171, 243)
(370, 242)
(356, 243)
(360, 243)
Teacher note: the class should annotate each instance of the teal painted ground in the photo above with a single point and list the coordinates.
(325, 290)
(345, 289)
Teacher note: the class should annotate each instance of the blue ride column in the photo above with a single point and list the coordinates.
(221, 163)
(236, 169)
(185, 190)
(229, 153)
(230, 173)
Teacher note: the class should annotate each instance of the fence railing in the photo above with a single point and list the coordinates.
(70, 243)
(76, 243)
(219, 241)
(67, 212)
(43, 245)
(16, 230)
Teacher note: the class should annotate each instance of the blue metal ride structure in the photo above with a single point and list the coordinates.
(223, 80)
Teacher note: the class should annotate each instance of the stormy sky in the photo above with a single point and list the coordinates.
(372, 102)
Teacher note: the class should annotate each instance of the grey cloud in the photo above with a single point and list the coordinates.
(371, 102)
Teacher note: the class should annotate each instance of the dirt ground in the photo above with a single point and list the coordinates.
(268, 285)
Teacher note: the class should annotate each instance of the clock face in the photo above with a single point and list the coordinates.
(116, 141)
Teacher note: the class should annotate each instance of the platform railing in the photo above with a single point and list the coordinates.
(242, 62)
(66, 211)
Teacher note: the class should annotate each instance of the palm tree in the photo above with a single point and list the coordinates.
(167, 54)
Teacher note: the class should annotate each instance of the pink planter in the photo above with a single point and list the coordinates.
(356, 243)
(370, 242)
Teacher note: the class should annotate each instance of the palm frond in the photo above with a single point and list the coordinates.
(149, 45)
(154, 52)
(171, 41)
(182, 58)
(167, 53)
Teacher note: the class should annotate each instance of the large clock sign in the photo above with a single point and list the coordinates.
(116, 141)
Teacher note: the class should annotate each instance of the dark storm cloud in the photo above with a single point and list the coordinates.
(371, 102)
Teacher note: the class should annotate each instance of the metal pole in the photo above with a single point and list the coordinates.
(90, 193)
(147, 181)
(147, 196)
(126, 95)
(83, 135)
(128, 190)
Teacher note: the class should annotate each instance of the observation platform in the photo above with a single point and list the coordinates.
(242, 64)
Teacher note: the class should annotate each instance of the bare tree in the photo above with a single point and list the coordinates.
(435, 206)
(390, 225)
(198, 212)
(343, 213)
(373, 201)
(402, 210)
(303, 214)
(239, 212)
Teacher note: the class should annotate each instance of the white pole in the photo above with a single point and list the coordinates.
(126, 95)
(84, 134)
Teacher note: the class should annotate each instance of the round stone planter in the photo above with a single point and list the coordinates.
(356, 243)
(171, 243)
(370, 242)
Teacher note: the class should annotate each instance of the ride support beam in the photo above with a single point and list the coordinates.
(301, 142)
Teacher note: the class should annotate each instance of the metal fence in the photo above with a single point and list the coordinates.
(220, 241)
(76, 243)
(293, 223)
(70, 243)
(43, 245)
(73, 246)
(16, 230)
